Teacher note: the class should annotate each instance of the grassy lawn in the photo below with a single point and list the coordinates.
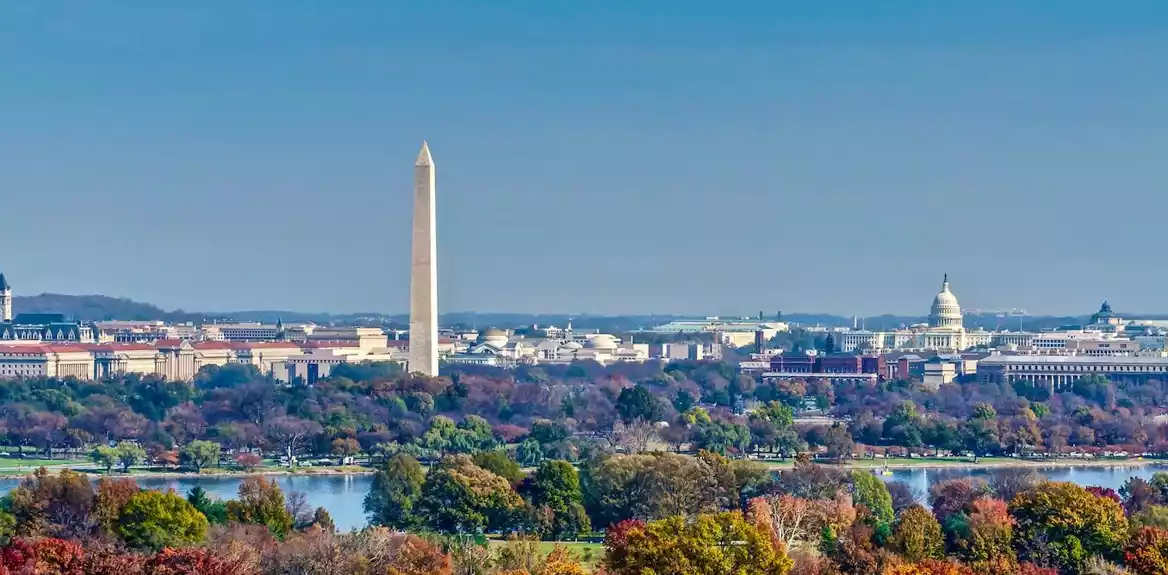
(12, 463)
(589, 554)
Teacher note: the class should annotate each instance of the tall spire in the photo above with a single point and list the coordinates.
(424, 158)
(4, 283)
(423, 356)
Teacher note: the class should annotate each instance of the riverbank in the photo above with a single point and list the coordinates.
(901, 463)
(9, 471)
(24, 471)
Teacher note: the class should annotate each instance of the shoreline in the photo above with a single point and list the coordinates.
(899, 464)
(10, 474)
(997, 464)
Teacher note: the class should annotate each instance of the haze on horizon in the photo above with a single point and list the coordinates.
(596, 157)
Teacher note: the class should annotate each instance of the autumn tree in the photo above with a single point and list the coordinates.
(1147, 552)
(53, 505)
(112, 495)
(192, 562)
(459, 496)
(951, 501)
(917, 535)
(261, 502)
(708, 544)
(156, 519)
(987, 538)
(1073, 524)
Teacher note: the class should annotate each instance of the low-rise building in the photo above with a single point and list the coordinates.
(1060, 371)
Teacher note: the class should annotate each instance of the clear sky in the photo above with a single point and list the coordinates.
(593, 156)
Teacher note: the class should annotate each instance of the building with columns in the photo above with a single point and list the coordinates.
(1060, 371)
(945, 332)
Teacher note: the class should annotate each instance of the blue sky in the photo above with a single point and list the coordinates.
(603, 157)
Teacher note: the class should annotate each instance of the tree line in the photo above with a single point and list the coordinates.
(232, 415)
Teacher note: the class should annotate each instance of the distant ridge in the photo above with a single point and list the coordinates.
(99, 308)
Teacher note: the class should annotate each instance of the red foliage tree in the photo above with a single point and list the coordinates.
(58, 557)
(193, 562)
(1032, 569)
(248, 461)
(1105, 492)
(19, 555)
(103, 560)
(416, 556)
(1146, 552)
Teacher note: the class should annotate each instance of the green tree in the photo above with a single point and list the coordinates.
(555, 489)
(199, 454)
(984, 411)
(776, 413)
(1073, 523)
(474, 435)
(869, 491)
(104, 456)
(392, 498)
(917, 535)
(440, 435)
(261, 502)
(461, 497)
(529, 453)
(129, 454)
(980, 436)
(721, 437)
(499, 462)
(154, 520)
(708, 544)
(638, 402)
(213, 509)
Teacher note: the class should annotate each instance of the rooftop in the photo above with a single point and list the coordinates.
(1075, 359)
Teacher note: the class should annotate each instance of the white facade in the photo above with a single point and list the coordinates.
(424, 270)
(945, 332)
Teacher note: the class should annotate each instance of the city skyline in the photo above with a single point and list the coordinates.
(595, 161)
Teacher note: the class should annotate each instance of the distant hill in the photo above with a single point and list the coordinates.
(100, 307)
(95, 308)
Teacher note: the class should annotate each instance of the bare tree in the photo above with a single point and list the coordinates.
(291, 432)
(634, 437)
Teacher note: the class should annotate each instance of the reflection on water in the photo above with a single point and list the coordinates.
(1103, 476)
(344, 495)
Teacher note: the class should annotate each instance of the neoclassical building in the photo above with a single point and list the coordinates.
(945, 332)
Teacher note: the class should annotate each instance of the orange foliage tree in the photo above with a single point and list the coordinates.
(1146, 552)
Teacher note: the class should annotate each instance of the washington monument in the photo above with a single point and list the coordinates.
(424, 271)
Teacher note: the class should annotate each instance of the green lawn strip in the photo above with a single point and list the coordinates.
(589, 554)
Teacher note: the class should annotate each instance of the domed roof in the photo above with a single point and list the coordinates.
(946, 312)
(493, 336)
(572, 345)
(602, 341)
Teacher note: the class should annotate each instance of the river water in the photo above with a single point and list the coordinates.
(343, 495)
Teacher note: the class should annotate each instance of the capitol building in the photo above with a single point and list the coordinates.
(944, 333)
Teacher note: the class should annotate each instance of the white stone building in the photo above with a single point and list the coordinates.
(945, 332)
